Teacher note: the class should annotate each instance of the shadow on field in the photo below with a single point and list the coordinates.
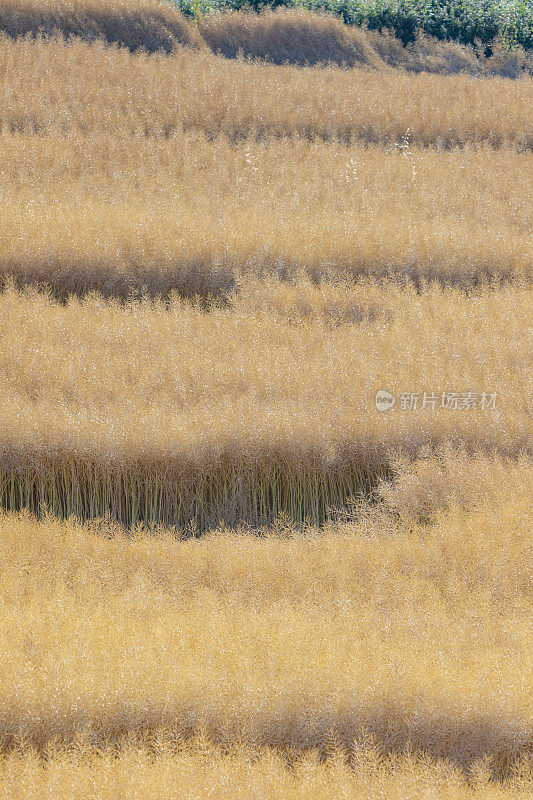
(464, 740)
(219, 287)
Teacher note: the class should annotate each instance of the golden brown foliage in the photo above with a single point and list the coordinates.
(416, 639)
(90, 88)
(162, 770)
(147, 24)
(280, 36)
(124, 214)
(420, 489)
(449, 58)
(289, 36)
(169, 414)
(386, 653)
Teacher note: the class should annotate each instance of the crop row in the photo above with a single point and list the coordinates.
(167, 414)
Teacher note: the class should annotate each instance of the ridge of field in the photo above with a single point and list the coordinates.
(155, 25)
(136, 24)
(413, 639)
(49, 86)
(165, 413)
(292, 36)
(127, 215)
(468, 22)
(300, 37)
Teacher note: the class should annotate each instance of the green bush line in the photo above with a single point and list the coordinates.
(465, 21)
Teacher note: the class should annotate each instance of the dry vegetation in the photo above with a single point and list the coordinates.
(300, 37)
(125, 173)
(48, 87)
(371, 638)
(262, 240)
(199, 771)
(281, 36)
(136, 24)
(168, 413)
(124, 215)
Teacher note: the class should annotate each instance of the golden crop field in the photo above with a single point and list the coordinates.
(402, 650)
(158, 412)
(265, 409)
(91, 88)
(194, 215)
